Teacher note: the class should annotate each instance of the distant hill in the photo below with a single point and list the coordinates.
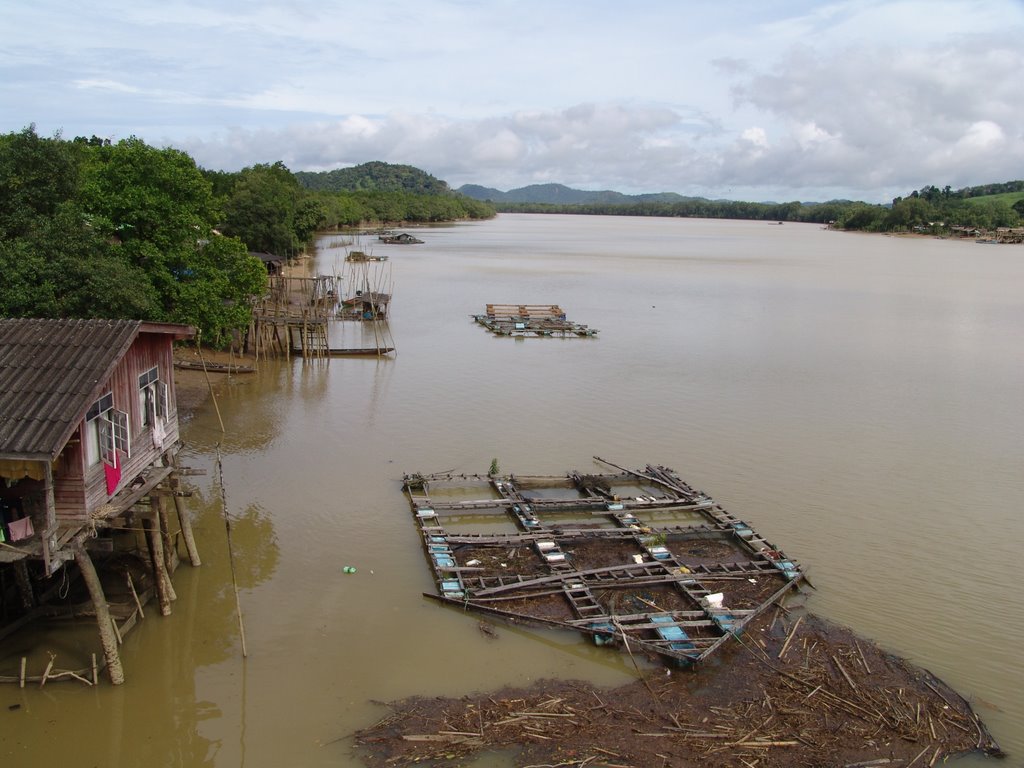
(559, 194)
(377, 176)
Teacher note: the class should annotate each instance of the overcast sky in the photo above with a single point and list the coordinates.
(741, 99)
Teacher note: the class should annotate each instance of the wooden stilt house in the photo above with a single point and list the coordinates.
(88, 429)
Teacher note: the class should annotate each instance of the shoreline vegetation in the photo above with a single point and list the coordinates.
(971, 211)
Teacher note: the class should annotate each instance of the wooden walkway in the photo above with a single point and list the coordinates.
(655, 589)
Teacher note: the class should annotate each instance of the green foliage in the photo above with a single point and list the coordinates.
(267, 211)
(36, 176)
(94, 229)
(1010, 198)
(213, 291)
(494, 468)
(374, 176)
(381, 193)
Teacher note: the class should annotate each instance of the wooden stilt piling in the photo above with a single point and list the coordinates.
(167, 540)
(108, 639)
(28, 599)
(156, 556)
(185, 521)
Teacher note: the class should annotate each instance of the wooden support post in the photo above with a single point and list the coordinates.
(28, 599)
(156, 557)
(170, 548)
(21, 681)
(185, 521)
(103, 618)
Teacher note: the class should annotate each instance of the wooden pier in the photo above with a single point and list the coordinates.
(293, 315)
(530, 320)
(294, 318)
(581, 553)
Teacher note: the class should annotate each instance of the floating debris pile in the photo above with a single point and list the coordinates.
(796, 691)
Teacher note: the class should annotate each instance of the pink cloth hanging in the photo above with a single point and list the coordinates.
(113, 473)
(21, 529)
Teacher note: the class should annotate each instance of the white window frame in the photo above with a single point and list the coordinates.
(153, 398)
(106, 430)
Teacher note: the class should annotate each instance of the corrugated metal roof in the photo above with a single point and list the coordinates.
(50, 373)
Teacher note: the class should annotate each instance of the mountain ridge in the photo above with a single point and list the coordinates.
(560, 194)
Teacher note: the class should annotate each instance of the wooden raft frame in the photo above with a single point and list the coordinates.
(683, 636)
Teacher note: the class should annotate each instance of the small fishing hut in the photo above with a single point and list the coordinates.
(88, 442)
(636, 558)
(365, 305)
(530, 320)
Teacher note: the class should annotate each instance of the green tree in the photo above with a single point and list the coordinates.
(91, 229)
(911, 212)
(269, 212)
(216, 288)
(36, 176)
(155, 205)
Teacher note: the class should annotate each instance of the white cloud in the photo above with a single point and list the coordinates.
(802, 98)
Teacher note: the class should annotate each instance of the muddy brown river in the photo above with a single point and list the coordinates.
(856, 398)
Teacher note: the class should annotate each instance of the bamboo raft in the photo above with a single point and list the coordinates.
(582, 553)
(530, 320)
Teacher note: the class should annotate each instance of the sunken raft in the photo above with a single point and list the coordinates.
(530, 320)
(636, 558)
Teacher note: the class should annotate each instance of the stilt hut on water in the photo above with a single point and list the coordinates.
(365, 305)
(88, 438)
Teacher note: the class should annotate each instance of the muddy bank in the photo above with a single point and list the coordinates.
(192, 387)
(794, 690)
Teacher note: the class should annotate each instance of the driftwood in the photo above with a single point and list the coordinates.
(757, 710)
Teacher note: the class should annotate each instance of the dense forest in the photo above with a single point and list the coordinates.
(90, 228)
(929, 209)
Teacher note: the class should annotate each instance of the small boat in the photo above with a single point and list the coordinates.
(347, 351)
(211, 367)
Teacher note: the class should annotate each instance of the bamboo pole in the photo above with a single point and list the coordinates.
(46, 672)
(209, 384)
(231, 552)
(103, 618)
(135, 595)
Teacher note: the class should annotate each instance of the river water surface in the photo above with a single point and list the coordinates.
(856, 398)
